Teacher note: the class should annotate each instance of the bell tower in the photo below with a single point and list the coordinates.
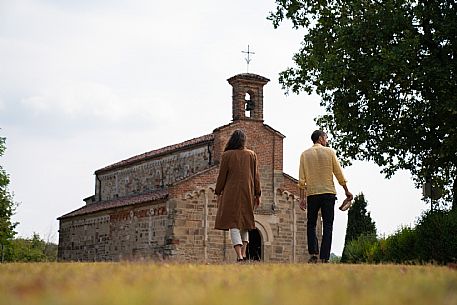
(247, 96)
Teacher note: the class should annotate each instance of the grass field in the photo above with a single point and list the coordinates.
(148, 283)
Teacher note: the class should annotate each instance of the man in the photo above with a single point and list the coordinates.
(318, 164)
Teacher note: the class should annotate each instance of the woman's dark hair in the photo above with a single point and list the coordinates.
(237, 140)
(316, 135)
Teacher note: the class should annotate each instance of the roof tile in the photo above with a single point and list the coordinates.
(117, 203)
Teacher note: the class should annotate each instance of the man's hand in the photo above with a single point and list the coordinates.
(347, 203)
(303, 204)
(349, 195)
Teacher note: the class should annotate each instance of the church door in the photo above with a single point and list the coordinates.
(254, 250)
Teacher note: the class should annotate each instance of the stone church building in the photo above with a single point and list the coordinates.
(161, 204)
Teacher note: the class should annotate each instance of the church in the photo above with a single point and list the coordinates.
(161, 204)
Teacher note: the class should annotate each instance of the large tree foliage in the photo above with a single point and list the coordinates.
(386, 71)
(359, 223)
(7, 207)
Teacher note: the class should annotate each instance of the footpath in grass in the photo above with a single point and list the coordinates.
(150, 283)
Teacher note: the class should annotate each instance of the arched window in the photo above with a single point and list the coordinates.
(249, 104)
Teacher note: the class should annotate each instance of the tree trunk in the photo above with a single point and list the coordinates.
(454, 194)
(3, 253)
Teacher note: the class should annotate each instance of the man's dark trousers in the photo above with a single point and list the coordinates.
(325, 203)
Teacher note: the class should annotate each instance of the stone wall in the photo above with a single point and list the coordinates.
(152, 174)
(85, 238)
(283, 230)
(194, 233)
(133, 232)
(194, 228)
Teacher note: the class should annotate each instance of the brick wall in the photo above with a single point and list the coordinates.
(252, 85)
(266, 143)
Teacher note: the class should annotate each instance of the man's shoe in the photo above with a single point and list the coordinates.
(346, 204)
(313, 260)
(324, 261)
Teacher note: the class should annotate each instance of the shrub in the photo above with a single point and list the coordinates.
(437, 237)
(400, 247)
(362, 249)
(434, 239)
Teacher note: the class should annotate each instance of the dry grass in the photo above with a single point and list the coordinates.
(148, 283)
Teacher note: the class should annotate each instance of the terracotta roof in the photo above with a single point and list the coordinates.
(265, 125)
(158, 152)
(274, 130)
(117, 203)
(248, 76)
(223, 126)
(290, 177)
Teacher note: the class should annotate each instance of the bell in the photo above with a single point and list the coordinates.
(249, 105)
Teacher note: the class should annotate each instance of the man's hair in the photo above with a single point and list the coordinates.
(316, 135)
(237, 140)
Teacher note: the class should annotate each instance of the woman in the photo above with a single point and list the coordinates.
(238, 190)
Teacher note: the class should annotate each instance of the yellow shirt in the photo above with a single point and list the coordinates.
(318, 164)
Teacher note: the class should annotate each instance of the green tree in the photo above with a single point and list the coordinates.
(359, 223)
(33, 249)
(7, 208)
(386, 73)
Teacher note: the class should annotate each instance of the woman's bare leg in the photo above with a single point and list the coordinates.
(244, 248)
(238, 250)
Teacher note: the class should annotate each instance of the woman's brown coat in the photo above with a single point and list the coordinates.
(238, 183)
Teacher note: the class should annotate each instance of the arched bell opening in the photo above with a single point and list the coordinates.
(249, 104)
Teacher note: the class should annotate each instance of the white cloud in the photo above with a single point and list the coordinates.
(75, 99)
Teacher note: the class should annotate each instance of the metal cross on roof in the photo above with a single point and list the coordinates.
(248, 59)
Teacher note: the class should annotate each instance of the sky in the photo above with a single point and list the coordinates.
(85, 84)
